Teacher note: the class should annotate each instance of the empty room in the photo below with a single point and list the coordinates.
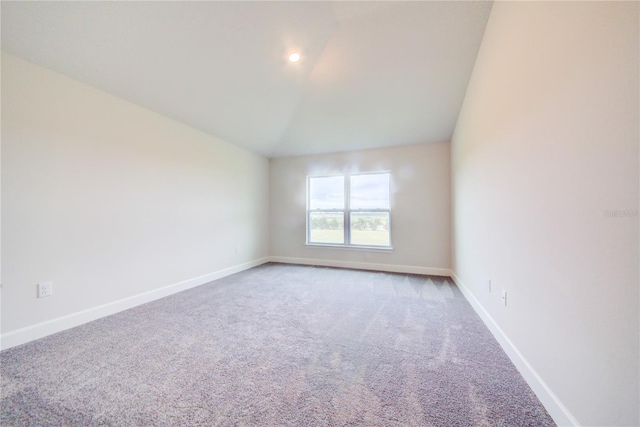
(320, 213)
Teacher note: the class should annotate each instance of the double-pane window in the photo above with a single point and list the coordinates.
(349, 210)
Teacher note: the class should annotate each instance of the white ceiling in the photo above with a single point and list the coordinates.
(372, 74)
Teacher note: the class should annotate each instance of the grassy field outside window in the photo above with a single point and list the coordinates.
(349, 210)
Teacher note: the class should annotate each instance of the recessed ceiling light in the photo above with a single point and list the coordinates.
(294, 57)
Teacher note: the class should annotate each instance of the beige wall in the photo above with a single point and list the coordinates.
(546, 147)
(109, 200)
(420, 207)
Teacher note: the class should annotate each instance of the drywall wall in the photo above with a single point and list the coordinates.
(108, 200)
(545, 197)
(420, 208)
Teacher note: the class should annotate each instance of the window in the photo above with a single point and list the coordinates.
(349, 210)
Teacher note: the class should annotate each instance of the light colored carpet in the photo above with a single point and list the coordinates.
(276, 345)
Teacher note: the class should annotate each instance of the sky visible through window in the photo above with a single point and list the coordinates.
(368, 191)
(327, 192)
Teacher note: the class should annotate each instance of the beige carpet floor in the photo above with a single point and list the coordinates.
(277, 345)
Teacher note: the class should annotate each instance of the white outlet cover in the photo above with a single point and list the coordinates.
(504, 297)
(45, 289)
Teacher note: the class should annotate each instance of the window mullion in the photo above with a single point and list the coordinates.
(308, 209)
(347, 210)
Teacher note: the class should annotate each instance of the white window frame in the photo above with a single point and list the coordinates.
(347, 213)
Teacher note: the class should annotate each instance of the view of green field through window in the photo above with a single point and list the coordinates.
(366, 210)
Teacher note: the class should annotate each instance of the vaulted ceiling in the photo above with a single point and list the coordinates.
(371, 74)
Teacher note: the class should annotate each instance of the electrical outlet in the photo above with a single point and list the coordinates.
(45, 289)
(489, 284)
(504, 297)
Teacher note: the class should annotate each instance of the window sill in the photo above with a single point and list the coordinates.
(351, 247)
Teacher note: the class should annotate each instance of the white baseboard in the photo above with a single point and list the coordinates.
(554, 406)
(410, 269)
(40, 330)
